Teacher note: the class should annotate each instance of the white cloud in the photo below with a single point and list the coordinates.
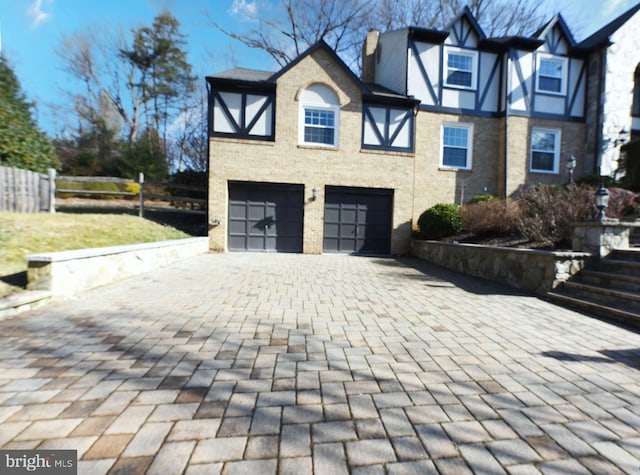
(244, 7)
(36, 14)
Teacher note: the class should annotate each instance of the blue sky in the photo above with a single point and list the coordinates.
(32, 30)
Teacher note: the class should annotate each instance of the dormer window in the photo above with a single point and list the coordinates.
(319, 117)
(552, 72)
(460, 68)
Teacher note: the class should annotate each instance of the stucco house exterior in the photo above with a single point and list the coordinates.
(614, 89)
(314, 159)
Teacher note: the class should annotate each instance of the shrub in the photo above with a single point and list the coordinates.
(622, 203)
(595, 181)
(440, 221)
(491, 217)
(87, 186)
(481, 197)
(132, 187)
(630, 163)
(550, 211)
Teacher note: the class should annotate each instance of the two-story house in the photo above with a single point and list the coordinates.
(309, 159)
(314, 159)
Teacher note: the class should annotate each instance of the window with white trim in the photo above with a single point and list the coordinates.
(460, 68)
(545, 150)
(319, 117)
(552, 75)
(457, 145)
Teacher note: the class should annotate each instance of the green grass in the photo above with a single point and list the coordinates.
(24, 234)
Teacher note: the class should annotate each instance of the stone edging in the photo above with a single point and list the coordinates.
(526, 269)
(68, 272)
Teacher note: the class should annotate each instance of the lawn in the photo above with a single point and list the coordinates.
(24, 234)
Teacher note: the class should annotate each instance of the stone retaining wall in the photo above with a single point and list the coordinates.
(68, 272)
(526, 269)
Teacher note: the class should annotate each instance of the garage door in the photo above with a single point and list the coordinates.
(357, 220)
(265, 217)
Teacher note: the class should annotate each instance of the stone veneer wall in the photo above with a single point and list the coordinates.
(526, 269)
(69, 272)
(623, 56)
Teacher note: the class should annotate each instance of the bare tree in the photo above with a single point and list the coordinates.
(284, 28)
(287, 27)
(109, 82)
(189, 136)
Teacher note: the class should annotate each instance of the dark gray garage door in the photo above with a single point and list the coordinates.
(357, 220)
(265, 217)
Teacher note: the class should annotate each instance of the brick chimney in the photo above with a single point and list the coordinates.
(369, 56)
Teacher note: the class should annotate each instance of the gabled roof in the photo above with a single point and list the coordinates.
(244, 74)
(502, 43)
(602, 36)
(557, 20)
(321, 45)
(466, 13)
(243, 78)
(383, 95)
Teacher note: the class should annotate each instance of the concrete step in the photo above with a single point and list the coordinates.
(22, 301)
(610, 280)
(604, 295)
(630, 255)
(619, 266)
(594, 308)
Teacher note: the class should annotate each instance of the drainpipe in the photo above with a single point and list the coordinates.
(506, 126)
(597, 163)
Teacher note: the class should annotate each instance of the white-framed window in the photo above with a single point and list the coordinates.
(545, 150)
(460, 68)
(319, 119)
(457, 145)
(551, 75)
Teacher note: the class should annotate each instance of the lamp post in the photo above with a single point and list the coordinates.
(602, 200)
(571, 166)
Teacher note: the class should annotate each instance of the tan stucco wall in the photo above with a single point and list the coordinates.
(435, 184)
(284, 161)
(518, 146)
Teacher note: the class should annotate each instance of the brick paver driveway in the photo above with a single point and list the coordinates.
(253, 363)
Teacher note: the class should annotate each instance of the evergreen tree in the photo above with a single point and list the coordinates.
(22, 144)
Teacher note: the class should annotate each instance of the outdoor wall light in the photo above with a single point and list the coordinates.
(314, 193)
(571, 166)
(602, 201)
(214, 221)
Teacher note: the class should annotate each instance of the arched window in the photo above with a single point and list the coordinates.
(635, 107)
(319, 116)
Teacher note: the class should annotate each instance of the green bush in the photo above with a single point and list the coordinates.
(440, 221)
(482, 197)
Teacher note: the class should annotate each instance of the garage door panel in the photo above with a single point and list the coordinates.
(349, 215)
(239, 211)
(265, 217)
(357, 220)
(238, 227)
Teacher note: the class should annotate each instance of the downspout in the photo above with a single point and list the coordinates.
(506, 123)
(597, 163)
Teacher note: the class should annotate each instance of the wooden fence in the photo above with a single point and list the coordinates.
(152, 196)
(24, 191)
